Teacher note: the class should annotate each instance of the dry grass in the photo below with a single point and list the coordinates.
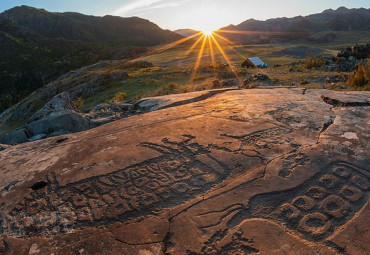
(361, 78)
(120, 96)
(79, 103)
(167, 89)
(313, 62)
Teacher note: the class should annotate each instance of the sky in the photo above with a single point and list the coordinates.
(196, 14)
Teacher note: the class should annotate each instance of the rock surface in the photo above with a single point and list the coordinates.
(19, 135)
(264, 171)
(58, 115)
(4, 147)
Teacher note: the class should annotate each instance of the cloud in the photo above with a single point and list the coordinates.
(137, 6)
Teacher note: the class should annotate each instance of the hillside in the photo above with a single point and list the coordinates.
(108, 30)
(37, 46)
(327, 24)
(186, 32)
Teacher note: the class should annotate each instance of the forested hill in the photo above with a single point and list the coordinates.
(37, 46)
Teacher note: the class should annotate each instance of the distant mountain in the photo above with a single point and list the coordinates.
(186, 32)
(36, 46)
(287, 29)
(75, 26)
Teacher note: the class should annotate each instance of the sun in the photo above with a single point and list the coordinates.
(207, 32)
(210, 44)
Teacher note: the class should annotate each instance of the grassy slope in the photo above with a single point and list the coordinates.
(173, 66)
(173, 70)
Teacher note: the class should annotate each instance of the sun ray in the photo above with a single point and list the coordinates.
(226, 58)
(221, 51)
(212, 52)
(225, 39)
(194, 45)
(199, 59)
(231, 44)
(171, 45)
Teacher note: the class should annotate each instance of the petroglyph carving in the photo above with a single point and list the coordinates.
(177, 175)
(269, 136)
(291, 162)
(237, 245)
(320, 205)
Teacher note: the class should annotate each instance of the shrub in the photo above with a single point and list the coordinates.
(120, 96)
(226, 74)
(361, 77)
(79, 102)
(167, 89)
(314, 62)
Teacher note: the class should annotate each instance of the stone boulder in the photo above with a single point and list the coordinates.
(17, 136)
(150, 104)
(37, 137)
(261, 77)
(57, 114)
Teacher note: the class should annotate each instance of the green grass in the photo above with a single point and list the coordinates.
(4, 129)
(142, 83)
(174, 66)
(177, 57)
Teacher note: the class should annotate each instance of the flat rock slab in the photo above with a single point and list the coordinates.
(221, 172)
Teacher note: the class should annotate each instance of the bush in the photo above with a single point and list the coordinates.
(225, 74)
(314, 62)
(361, 77)
(167, 89)
(119, 97)
(79, 103)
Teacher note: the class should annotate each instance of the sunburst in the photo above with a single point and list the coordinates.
(207, 32)
(211, 43)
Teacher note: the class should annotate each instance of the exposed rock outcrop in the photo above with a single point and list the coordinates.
(84, 82)
(58, 115)
(357, 51)
(19, 135)
(215, 172)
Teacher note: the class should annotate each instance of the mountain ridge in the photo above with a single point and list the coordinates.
(186, 32)
(315, 28)
(38, 46)
(77, 26)
(316, 21)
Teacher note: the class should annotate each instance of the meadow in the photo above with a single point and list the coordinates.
(187, 67)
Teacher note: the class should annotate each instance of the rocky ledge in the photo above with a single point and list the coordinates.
(264, 171)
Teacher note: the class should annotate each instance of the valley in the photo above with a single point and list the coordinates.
(120, 137)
